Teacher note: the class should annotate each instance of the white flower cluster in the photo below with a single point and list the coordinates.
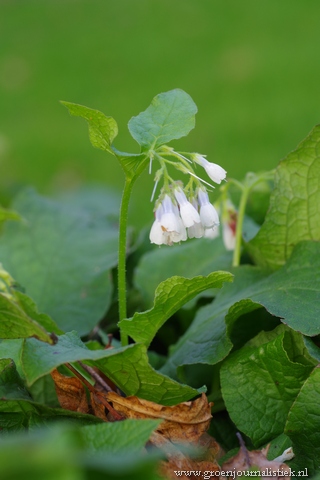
(177, 218)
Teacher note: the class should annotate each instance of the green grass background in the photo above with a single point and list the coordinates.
(251, 66)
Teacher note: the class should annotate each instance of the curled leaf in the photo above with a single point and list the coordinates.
(185, 422)
(102, 129)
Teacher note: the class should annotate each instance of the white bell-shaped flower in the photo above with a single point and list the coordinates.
(169, 219)
(156, 233)
(214, 171)
(188, 213)
(167, 227)
(182, 235)
(197, 230)
(208, 214)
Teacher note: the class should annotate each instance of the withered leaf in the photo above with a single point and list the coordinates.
(185, 422)
(182, 423)
(245, 460)
(98, 408)
(70, 392)
(72, 396)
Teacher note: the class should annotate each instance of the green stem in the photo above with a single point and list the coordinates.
(123, 220)
(250, 182)
(240, 218)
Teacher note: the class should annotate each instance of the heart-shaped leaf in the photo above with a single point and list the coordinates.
(170, 116)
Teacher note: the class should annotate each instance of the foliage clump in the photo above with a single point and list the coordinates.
(233, 314)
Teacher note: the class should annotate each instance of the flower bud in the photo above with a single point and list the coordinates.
(214, 171)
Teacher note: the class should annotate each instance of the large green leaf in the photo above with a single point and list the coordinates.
(11, 385)
(259, 385)
(206, 340)
(170, 116)
(119, 437)
(43, 391)
(294, 343)
(11, 349)
(38, 361)
(295, 284)
(132, 372)
(62, 257)
(303, 424)
(170, 296)
(294, 205)
(102, 129)
(199, 257)
(30, 309)
(15, 322)
(61, 452)
(97, 200)
(127, 367)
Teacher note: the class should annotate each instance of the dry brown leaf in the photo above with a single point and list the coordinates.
(72, 396)
(185, 422)
(70, 392)
(246, 459)
(98, 408)
(182, 423)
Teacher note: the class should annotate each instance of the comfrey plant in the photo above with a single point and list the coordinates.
(254, 344)
(181, 212)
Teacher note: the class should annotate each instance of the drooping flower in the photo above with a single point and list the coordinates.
(167, 227)
(156, 233)
(182, 235)
(214, 171)
(169, 218)
(188, 213)
(208, 214)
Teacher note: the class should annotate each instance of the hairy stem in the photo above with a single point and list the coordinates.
(122, 289)
(240, 218)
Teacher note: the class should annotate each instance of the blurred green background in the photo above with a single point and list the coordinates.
(252, 67)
